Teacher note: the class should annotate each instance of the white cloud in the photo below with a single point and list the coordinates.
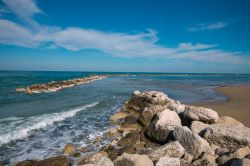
(144, 44)
(14, 34)
(24, 9)
(190, 47)
(116, 44)
(205, 26)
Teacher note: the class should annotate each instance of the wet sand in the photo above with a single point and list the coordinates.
(237, 105)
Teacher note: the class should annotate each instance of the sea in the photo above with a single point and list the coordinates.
(38, 126)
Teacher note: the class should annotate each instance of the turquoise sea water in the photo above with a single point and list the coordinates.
(39, 125)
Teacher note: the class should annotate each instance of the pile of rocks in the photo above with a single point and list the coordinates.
(58, 85)
(156, 130)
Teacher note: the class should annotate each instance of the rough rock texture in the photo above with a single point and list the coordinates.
(198, 127)
(228, 136)
(172, 149)
(91, 159)
(104, 161)
(242, 152)
(129, 142)
(148, 113)
(186, 160)
(176, 106)
(55, 161)
(206, 160)
(146, 105)
(140, 100)
(168, 161)
(206, 115)
(162, 124)
(228, 121)
(192, 142)
(69, 149)
(133, 160)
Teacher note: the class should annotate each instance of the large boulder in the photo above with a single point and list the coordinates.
(206, 115)
(227, 120)
(172, 149)
(133, 160)
(168, 161)
(228, 136)
(140, 100)
(148, 113)
(192, 142)
(198, 127)
(163, 123)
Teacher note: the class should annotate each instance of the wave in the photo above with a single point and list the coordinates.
(40, 122)
(12, 118)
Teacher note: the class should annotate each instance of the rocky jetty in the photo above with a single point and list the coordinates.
(54, 86)
(153, 129)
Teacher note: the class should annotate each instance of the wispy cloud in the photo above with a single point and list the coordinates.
(142, 44)
(205, 26)
(14, 34)
(24, 9)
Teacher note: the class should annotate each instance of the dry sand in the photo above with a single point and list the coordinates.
(237, 106)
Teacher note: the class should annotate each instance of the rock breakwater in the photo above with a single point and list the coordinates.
(153, 129)
(54, 86)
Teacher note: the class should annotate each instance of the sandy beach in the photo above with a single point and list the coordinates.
(237, 106)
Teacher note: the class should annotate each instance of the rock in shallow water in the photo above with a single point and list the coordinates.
(53, 161)
(206, 115)
(162, 124)
(228, 136)
(192, 142)
(69, 149)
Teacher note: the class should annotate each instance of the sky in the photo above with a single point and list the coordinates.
(194, 36)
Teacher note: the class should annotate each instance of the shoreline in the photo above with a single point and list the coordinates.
(237, 105)
(153, 129)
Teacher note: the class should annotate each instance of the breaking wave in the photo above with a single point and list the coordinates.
(39, 122)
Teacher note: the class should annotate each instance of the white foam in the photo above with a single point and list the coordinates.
(12, 118)
(38, 122)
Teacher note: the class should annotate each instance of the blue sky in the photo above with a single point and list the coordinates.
(129, 35)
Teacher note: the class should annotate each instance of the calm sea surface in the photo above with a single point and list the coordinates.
(39, 125)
